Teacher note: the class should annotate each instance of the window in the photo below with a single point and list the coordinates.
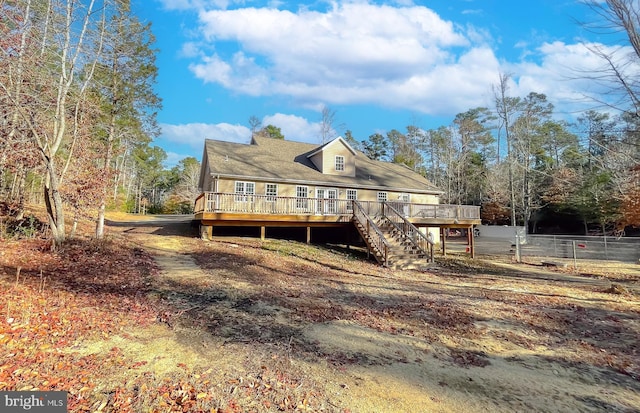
(403, 205)
(271, 191)
(339, 163)
(243, 189)
(382, 197)
(352, 195)
(302, 193)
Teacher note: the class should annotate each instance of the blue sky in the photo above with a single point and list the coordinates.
(377, 65)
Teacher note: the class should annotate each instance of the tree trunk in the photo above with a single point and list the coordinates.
(21, 185)
(109, 149)
(54, 204)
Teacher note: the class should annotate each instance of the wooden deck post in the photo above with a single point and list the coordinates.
(471, 242)
(443, 235)
(308, 235)
(263, 231)
(206, 232)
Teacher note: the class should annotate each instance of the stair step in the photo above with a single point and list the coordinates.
(403, 253)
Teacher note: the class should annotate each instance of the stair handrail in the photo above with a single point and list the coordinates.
(379, 241)
(409, 230)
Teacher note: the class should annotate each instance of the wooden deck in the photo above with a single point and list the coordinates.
(221, 209)
(214, 209)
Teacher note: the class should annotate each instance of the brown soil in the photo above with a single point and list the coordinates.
(482, 335)
(250, 325)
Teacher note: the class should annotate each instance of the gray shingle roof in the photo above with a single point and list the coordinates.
(281, 160)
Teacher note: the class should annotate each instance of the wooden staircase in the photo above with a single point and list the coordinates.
(392, 239)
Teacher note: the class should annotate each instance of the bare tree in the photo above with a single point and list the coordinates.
(59, 40)
(506, 108)
(327, 124)
(495, 209)
(620, 71)
(529, 140)
(255, 124)
(189, 171)
(17, 155)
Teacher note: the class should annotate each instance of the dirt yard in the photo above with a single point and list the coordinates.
(239, 324)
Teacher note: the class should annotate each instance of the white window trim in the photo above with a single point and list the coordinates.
(381, 195)
(349, 204)
(270, 197)
(244, 195)
(302, 202)
(342, 163)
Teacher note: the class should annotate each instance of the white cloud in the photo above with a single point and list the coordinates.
(353, 53)
(215, 69)
(402, 57)
(565, 73)
(189, 49)
(194, 134)
(294, 128)
(173, 159)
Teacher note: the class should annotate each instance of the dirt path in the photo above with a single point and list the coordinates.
(382, 389)
(365, 339)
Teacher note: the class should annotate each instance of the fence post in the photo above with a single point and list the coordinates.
(518, 256)
(606, 250)
(555, 247)
(575, 261)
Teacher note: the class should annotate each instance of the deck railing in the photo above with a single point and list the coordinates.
(371, 230)
(423, 242)
(279, 205)
(268, 204)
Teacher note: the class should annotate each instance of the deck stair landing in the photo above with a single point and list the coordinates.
(392, 240)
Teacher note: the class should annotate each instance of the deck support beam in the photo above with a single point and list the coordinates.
(308, 235)
(443, 237)
(263, 232)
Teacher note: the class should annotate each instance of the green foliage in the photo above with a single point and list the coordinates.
(376, 147)
(272, 132)
(403, 150)
(150, 170)
(28, 227)
(187, 163)
(130, 205)
(348, 136)
(155, 209)
(594, 199)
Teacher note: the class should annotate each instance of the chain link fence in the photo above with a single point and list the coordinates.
(565, 248)
(579, 247)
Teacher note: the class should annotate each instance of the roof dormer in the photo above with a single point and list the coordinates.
(335, 158)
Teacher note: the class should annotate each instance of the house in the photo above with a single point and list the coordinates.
(279, 183)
